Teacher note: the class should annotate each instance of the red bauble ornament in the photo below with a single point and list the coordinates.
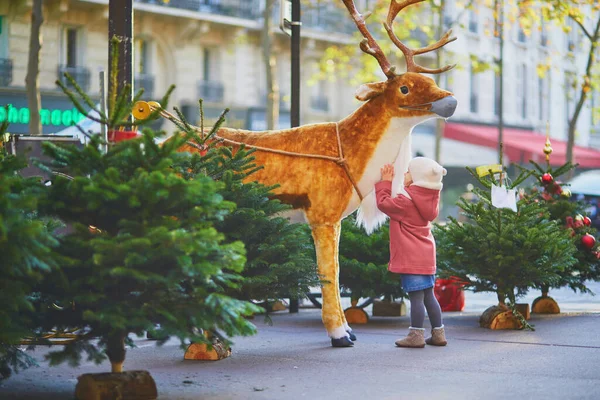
(588, 241)
(587, 221)
(547, 178)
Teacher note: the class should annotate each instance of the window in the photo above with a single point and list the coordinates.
(543, 97)
(70, 48)
(521, 37)
(448, 13)
(595, 109)
(524, 91)
(569, 94)
(571, 35)
(210, 87)
(497, 93)
(143, 78)
(206, 64)
(142, 56)
(473, 22)
(3, 37)
(543, 33)
(6, 66)
(474, 88)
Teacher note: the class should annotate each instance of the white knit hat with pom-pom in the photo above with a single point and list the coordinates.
(426, 173)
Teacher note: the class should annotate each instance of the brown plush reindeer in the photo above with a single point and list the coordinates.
(328, 170)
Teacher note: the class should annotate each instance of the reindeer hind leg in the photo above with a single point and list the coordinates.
(326, 238)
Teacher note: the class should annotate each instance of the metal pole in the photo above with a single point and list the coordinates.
(120, 24)
(103, 110)
(500, 16)
(295, 50)
(295, 91)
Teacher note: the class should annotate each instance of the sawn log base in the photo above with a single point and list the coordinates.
(499, 317)
(545, 305)
(356, 315)
(384, 308)
(129, 385)
(200, 351)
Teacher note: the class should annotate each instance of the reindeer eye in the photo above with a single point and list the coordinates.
(404, 90)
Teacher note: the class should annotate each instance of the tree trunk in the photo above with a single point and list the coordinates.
(583, 94)
(115, 350)
(32, 82)
(270, 61)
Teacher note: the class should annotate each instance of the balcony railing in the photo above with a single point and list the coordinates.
(327, 18)
(6, 71)
(247, 9)
(319, 103)
(146, 82)
(211, 91)
(81, 75)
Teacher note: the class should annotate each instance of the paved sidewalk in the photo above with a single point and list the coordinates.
(292, 359)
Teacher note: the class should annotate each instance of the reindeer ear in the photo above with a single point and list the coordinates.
(369, 90)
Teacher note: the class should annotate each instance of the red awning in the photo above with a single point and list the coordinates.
(520, 146)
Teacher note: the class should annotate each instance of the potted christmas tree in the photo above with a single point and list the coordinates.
(364, 272)
(549, 192)
(279, 259)
(503, 251)
(26, 256)
(143, 251)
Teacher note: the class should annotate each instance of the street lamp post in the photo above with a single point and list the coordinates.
(120, 25)
(295, 60)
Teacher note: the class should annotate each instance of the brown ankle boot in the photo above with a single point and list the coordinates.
(438, 337)
(414, 339)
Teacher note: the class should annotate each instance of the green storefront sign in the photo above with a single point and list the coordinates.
(57, 112)
(16, 115)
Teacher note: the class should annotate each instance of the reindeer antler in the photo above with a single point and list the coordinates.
(370, 46)
(409, 54)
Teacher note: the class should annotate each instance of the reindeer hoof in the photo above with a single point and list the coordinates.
(342, 342)
(352, 336)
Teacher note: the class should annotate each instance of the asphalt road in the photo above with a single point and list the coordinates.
(292, 359)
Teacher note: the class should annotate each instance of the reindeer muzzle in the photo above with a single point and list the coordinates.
(444, 107)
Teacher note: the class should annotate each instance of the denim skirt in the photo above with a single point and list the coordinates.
(411, 282)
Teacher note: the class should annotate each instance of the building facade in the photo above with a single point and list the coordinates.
(532, 100)
(211, 49)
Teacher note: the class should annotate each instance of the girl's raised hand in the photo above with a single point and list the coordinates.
(387, 172)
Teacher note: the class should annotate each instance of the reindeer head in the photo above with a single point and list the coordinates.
(409, 94)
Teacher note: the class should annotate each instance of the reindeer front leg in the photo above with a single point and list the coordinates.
(327, 238)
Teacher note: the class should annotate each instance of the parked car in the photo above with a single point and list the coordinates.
(586, 187)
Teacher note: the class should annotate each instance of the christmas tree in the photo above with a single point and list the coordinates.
(500, 250)
(25, 257)
(279, 260)
(550, 193)
(364, 263)
(143, 248)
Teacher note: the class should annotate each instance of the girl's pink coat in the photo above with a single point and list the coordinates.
(412, 247)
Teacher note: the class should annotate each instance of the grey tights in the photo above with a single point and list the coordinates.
(421, 300)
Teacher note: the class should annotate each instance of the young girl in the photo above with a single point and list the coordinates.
(412, 247)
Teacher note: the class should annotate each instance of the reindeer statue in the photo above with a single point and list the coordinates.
(326, 171)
